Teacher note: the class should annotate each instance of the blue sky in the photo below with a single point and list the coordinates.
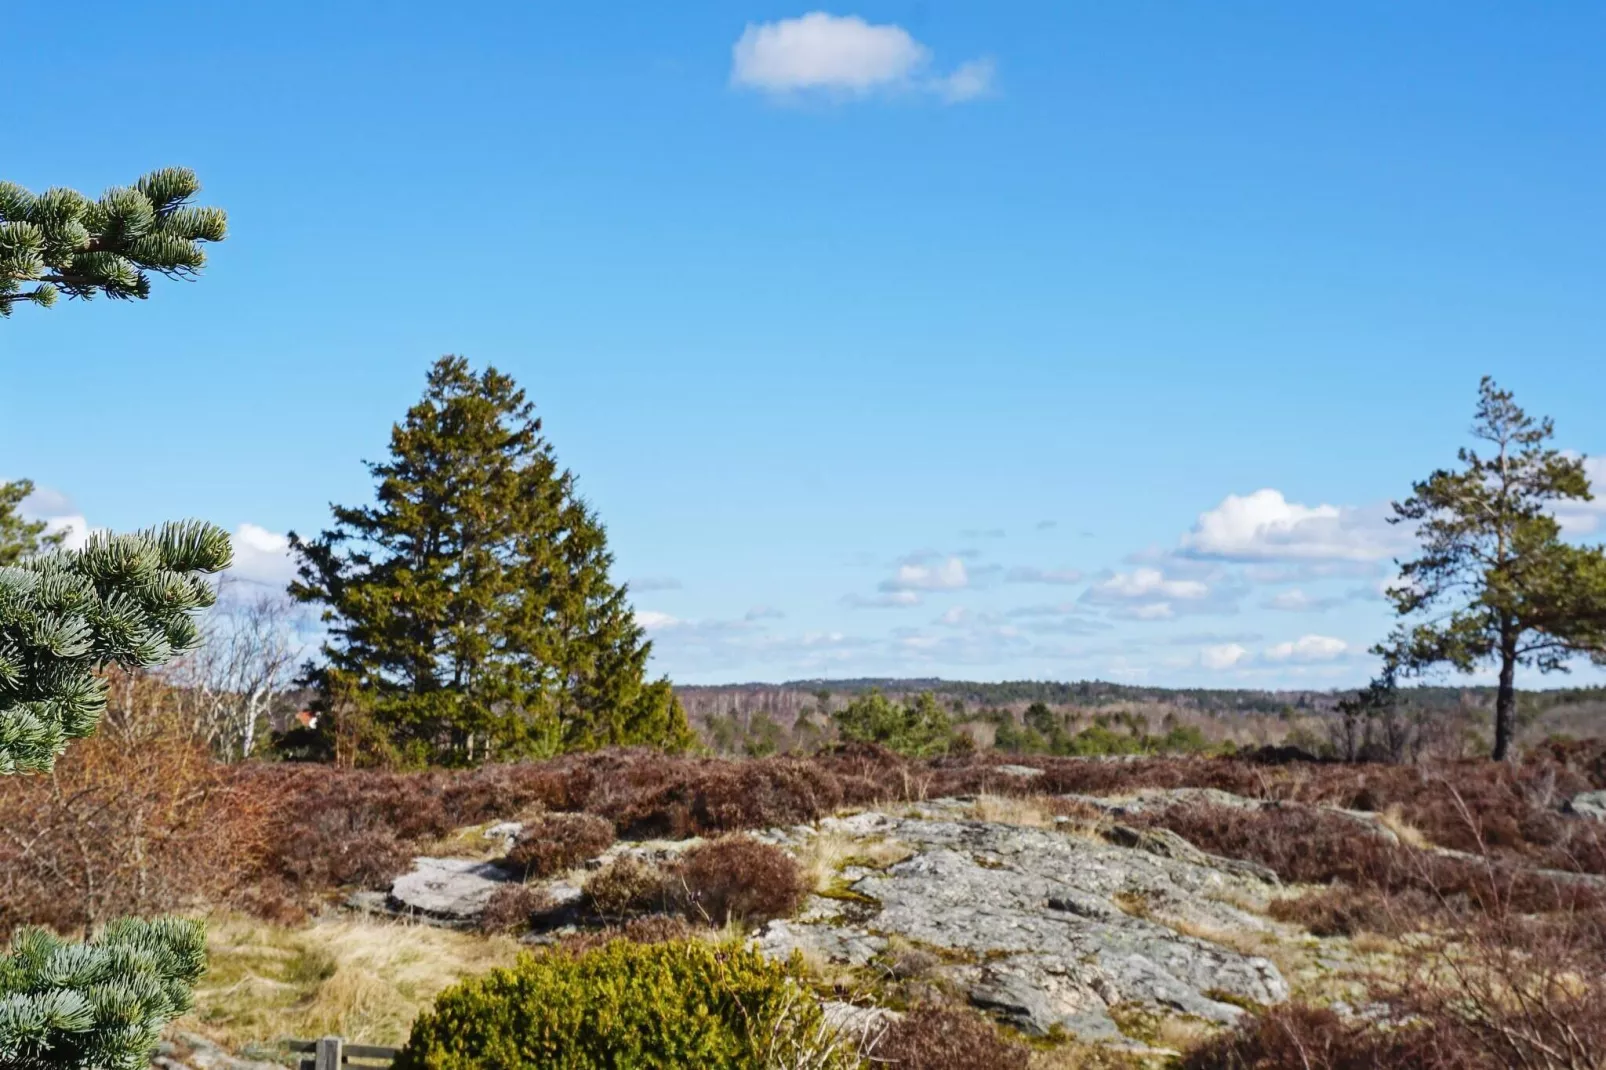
(987, 341)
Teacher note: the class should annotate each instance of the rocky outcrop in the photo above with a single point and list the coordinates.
(1048, 928)
(1042, 928)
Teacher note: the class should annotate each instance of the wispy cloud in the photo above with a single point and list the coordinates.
(1027, 574)
(654, 583)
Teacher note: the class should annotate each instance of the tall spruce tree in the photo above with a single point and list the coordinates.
(470, 611)
(1495, 583)
(61, 242)
(19, 536)
(122, 599)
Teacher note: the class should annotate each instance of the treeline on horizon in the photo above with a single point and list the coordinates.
(1102, 693)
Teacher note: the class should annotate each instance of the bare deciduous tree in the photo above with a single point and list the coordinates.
(246, 663)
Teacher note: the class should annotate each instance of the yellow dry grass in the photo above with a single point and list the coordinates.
(1011, 810)
(364, 979)
(1393, 820)
(824, 856)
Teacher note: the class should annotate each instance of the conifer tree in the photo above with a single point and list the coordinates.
(19, 536)
(1495, 583)
(60, 241)
(124, 599)
(470, 611)
(127, 600)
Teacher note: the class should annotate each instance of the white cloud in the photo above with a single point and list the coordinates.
(1222, 656)
(1145, 583)
(76, 526)
(261, 556)
(1309, 648)
(890, 600)
(1149, 594)
(969, 80)
(654, 621)
(846, 56)
(1265, 526)
(947, 575)
(1297, 601)
(1586, 518)
(1025, 574)
(954, 616)
(763, 613)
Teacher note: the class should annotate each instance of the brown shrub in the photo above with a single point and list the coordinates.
(737, 878)
(625, 886)
(511, 906)
(553, 843)
(1512, 989)
(1314, 1038)
(648, 929)
(1343, 911)
(128, 830)
(1311, 846)
(935, 1037)
(709, 796)
(336, 828)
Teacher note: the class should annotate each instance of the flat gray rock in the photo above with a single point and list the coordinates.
(1048, 930)
(450, 889)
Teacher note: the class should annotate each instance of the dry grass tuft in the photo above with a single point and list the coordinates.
(1012, 810)
(1393, 818)
(363, 979)
(825, 856)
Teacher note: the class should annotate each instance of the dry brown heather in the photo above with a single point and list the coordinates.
(161, 827)
(1504, 965)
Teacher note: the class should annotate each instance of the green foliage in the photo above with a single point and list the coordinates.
(97, 1005)
(470, 611)
(1495, 582)
(124, 599)
(19, 537)
(682, 1003)
(1110, 734)
(64, 242)
(920, 728)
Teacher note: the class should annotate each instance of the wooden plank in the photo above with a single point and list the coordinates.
(371, 1051)
(329, 1055)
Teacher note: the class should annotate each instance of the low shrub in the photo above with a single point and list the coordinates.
(511, 906)
(710, 796)
(737, 878)
(625, 886)
(1313, 1038)
(554, 843)
(1339, 911)
(685, 1003)
(647, 929)
(936, 1037)
(1311, 846)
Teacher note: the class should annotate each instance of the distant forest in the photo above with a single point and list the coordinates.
(793, 695)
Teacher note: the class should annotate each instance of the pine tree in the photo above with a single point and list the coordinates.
(20, 537)
(920, 729)
(1501, 585)
(62, 242)
(127, 600)
(470, 611)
